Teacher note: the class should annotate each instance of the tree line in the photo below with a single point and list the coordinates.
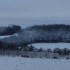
(9, 30)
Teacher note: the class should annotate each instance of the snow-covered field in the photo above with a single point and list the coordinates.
(51, 45)
(19, 63)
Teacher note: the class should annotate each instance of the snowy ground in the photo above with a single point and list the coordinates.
(6, 36)
(19, 63)
(51, 45)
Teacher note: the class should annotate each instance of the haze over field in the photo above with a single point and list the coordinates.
(33, 21)
(31, 12)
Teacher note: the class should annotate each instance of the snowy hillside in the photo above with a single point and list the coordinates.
(19, 63)
(41, 33)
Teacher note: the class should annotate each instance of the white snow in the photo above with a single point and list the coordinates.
(51, 45)
(7, 36)
(19, 63)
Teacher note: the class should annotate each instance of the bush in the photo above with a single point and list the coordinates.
(49, 50)
(24, 56)
(66, 51)
(40, 50)
(57, 50)
(31, 48)
(55, 57)
(67, 58)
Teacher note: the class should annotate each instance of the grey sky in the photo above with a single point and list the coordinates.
(34, 8)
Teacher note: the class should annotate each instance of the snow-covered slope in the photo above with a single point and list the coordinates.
(41, 33)
(19, 63)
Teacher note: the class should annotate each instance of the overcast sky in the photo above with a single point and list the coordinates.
(34, 8)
